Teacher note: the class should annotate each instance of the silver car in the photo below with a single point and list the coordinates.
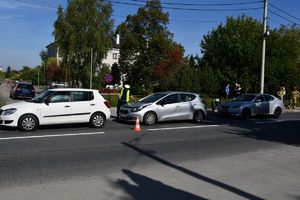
(165, 106)
(247, 105)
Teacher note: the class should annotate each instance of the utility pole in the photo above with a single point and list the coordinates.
(91, 78)
(263, 60)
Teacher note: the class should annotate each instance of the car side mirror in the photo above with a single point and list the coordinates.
(47, 101)
(258, 100)
(161, 103)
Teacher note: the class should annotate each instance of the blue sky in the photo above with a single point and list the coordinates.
(27, 25)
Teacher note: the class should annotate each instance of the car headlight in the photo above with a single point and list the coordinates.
(136, 109)
(9, 111)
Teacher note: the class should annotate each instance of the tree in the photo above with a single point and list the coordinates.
(84, 28)
(234, 49)
(44, 57)
(146, 43)
(8, 71)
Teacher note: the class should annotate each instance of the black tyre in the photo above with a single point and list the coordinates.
(97, 120)
(246, 113)
(198, 116)
(277, 112)
(28, 123)
(150, 118)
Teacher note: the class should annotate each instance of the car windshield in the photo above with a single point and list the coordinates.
(246, 97)
(41, 97)
(152, 98)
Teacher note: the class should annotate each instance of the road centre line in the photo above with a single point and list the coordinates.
(49, 136)
(268, 122)
(187, 127)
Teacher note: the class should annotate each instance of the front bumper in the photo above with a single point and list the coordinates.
(9, 120)
(128, 116)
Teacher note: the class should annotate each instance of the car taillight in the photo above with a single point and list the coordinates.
(107, 104)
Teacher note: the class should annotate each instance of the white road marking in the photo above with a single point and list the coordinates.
(186, 127)
(268, 122)
(48, 136)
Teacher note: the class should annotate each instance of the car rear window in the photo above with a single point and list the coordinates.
(25, 86)
(82, 96)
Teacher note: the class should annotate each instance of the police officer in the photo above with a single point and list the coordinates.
(123, 98)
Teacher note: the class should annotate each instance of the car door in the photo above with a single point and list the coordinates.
(185, 107)
(82, 106)
(56, 109)
(169, 106)
(262, 106)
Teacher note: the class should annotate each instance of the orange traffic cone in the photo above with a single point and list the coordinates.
(137, 127)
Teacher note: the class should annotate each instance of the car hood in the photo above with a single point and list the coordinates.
(235, 103)
(22, 104)
(136, 104)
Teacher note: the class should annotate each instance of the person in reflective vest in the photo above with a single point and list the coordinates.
(123, 98)
(295, 95)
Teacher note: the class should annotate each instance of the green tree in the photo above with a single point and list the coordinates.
(44, 57)
(234, 49)
(84, 27)
(146, 43)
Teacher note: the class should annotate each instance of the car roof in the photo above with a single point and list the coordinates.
(73, 89)
(175, 92)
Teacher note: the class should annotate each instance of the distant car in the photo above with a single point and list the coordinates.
(22, 90)
(247, 105)
(58, 85)
(57, 106)
(165, 106)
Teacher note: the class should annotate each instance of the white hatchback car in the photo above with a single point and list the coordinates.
(57, 106)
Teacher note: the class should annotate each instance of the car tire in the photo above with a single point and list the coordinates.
(28, 123)
(97, 120)
(277, 112)
(150, 118)
(246, 113)
(198, 116)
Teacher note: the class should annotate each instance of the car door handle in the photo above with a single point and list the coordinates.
(67, 106)
(92, 104)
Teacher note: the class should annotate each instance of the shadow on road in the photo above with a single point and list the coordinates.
(224, 186)
(150, 189)
(286, 132)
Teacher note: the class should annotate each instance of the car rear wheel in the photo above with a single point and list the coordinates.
(277, 112)
(150, 118)
(246, 113)
(28, 123)
(198, 116)
(97, 120)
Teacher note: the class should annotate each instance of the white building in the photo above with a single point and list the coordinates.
(111, 57)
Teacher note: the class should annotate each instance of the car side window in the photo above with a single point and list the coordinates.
(59, 97)
(260, 98)
(173, 98)
(268, 98)
(187, 97)
(82, 96)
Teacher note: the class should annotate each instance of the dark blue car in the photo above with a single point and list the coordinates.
(22, 90)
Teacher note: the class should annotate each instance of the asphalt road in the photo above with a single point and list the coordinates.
(220, 159)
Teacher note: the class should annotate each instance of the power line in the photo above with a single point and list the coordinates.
(278, 15)
(35, 3)
(188, 9)
(284, 12)
(204, 4)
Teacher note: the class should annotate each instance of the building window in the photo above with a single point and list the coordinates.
(115, 56)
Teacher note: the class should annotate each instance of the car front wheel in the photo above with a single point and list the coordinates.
(150, 118)
(97, 120)
(27, 123)
(246, 113)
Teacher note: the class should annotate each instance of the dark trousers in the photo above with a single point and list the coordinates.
(120, 103)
